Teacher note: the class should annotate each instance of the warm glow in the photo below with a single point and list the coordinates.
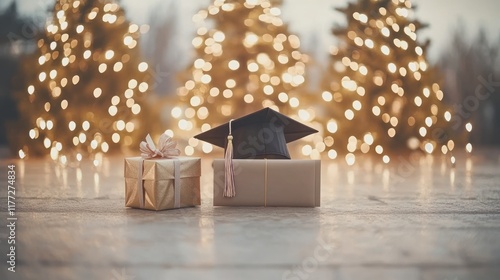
(385, 50)
(294, 102)
(349, 114)
(109, 54)
(368, 138)
(332, 126)
(429, 148)
(350, 159)
(233, 65)
(143, 66)
(392, 67)
(327, 96)
(332, 154)
(468, 126)
(468, 148)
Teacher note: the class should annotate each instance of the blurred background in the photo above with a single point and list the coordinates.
(463, 37)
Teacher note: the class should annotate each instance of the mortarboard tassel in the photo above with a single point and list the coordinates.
(229, 190)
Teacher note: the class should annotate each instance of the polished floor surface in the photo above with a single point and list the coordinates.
(416, 218)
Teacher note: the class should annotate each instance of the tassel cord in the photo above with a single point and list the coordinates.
(229, 190)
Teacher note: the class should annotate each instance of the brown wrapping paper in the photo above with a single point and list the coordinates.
(158, 182)
(260, 182)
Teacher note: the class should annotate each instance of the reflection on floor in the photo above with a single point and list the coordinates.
(416, 218)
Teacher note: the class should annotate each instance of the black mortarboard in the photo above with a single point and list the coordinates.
(262, 134)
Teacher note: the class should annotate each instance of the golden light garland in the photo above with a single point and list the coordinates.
(247, 61)
(88, 86)
(381, 88)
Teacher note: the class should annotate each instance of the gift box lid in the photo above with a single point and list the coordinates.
(162, 168)
(262, 134)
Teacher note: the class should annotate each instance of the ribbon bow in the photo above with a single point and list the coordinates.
(166, 147)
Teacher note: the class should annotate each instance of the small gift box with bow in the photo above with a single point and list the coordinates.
(160, 179)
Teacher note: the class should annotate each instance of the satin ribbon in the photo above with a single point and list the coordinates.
(166, 149)
(140, 184)
(177, 183)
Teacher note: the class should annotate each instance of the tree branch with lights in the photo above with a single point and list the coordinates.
(85, 86)
(247, 61)
(384, 96)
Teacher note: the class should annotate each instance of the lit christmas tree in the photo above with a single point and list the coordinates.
(383, 94)
(85, 86)
(247, 61)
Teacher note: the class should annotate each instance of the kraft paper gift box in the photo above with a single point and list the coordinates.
(261, 182)
(257, 169)
(164, 183)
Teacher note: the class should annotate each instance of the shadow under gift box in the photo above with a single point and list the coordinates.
(262, 182)
(158, 181)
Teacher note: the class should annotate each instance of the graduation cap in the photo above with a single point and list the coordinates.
(262, 134)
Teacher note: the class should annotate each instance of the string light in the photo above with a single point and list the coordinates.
(236, 75)
(91, 127)
(404, 104)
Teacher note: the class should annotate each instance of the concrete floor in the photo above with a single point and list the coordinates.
(412, 219)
